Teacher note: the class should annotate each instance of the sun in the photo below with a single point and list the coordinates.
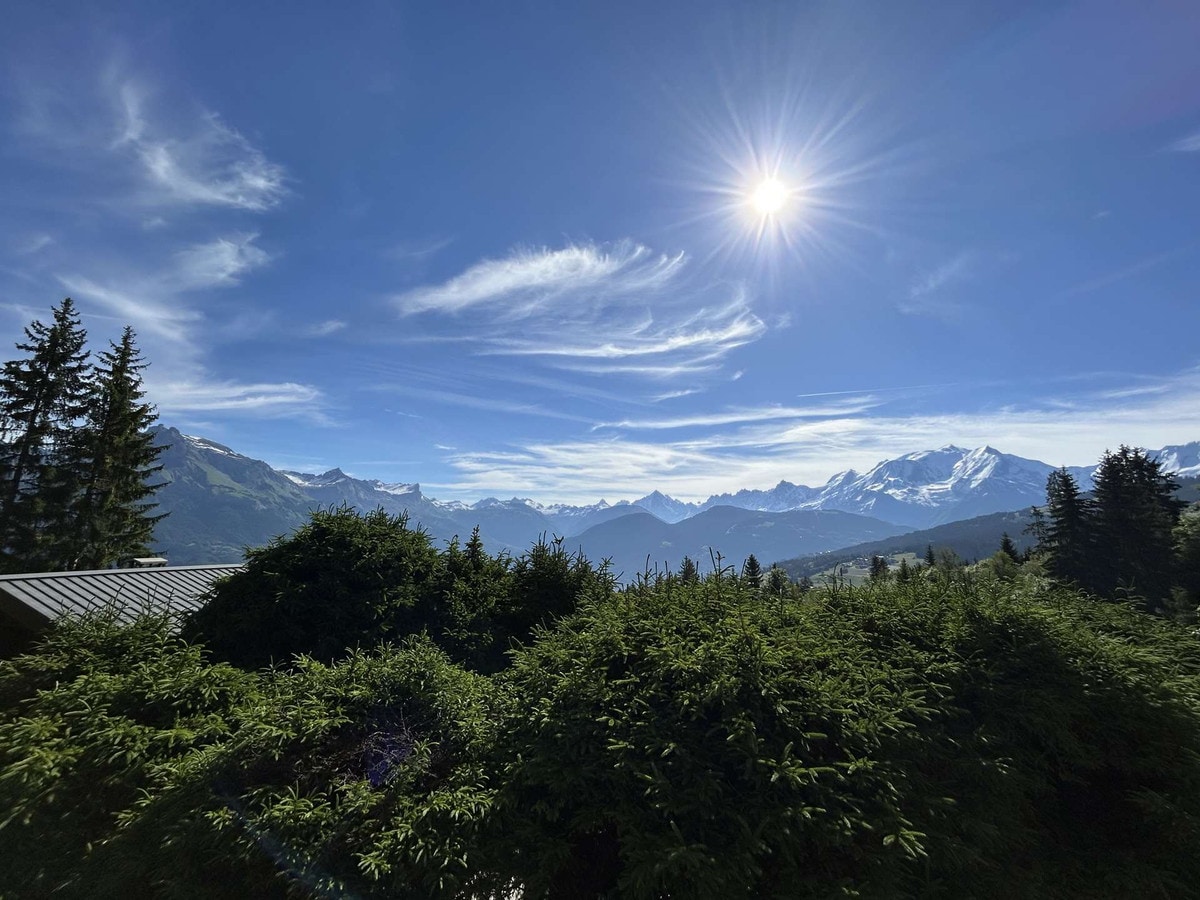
(770, 197)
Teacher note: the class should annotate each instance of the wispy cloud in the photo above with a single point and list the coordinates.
(218, 263)
(127, 150)
(32, 244)
(592, 309)
(151, 300)
(674, 395)
(1188, 144)
(529, 281)
(326, 328)
(149, 152)
(175, 334)
(1059, 429)
(475, 401)
(851, 406)
(714, 331)
(142, 306)
(926, 295)
(203, 161)
(270, 399)
(1136, 268)
(418, 250)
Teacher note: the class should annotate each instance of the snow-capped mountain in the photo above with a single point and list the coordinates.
(667, 508)
(1181, 459)
(921, 489)
(220, 501)
(935, 486)
(783, 496)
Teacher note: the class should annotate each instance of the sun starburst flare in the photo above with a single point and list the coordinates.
(770, 197)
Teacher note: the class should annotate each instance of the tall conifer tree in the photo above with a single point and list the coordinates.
(1136, 512)
(752, 571)
(43, 399)
(1067, 536)
(688, 573)
(114, 508)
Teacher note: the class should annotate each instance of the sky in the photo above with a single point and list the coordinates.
(569, 251)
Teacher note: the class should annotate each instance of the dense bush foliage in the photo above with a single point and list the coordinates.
(955, 736)
(344, 581)
(978, 733)
(338, 581)
(131, 763)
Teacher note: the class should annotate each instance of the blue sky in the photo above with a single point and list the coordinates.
(512, 249)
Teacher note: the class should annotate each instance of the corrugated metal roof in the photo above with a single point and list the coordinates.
(34, 600)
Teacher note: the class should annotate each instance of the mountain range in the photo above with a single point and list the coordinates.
(220, 501)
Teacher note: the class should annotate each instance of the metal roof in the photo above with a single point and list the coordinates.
(34, 600)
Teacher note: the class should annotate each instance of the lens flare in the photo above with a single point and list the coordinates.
(770, 197)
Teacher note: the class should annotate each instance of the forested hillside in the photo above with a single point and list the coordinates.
(970, 539)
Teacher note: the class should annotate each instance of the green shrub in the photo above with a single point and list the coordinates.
(158, 772)
(957, 735)
(954, 737)
(340, 581)
(346, 581)
(101, 718)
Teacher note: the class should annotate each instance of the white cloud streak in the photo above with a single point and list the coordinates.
(953, 270)
(141, 305)
(590, 309)
(150, 155)
(33, 244)
(528, 281)
(731, 453)
(171, 330)
(1129, 271)
(1189, 144)
(926, 294)
(743, 416)
(270, 399)
(159, 162)
(206, 162)
(326, 328)
(151, 301)
(218, 263)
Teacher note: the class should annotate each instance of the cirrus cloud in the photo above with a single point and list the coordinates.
(203, 161)
(739, 448)
(590, 309)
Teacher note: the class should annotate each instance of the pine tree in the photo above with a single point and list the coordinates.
(1068, 537)
(1008, 548)
(1135, 515)
(879, 568)
(43, 398)
(752, 571)
(688, 573)
(930, 559)
(777, 581)
(1187, 556)
(113, 508)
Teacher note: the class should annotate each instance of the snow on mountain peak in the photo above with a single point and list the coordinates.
(306, 479)
(918, 489)
(210, 446)
(1180, 459)
(398, 488)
